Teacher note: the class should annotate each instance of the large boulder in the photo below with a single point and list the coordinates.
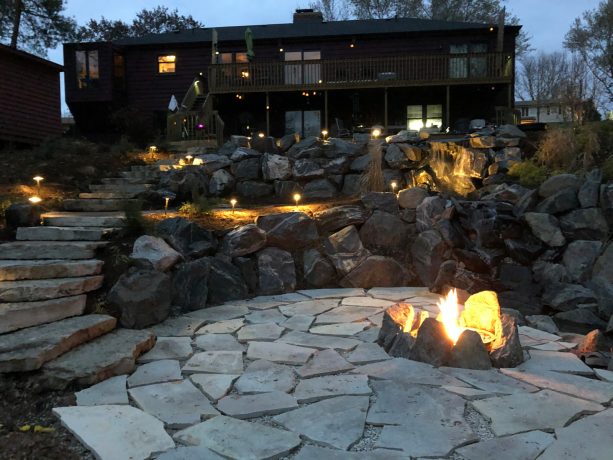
(213, 162)
(156, 251)
(318, 271)
(387, 232)
(562, 201)
(307, 169)
(411, 198)
(429, 212)
(330, 220)
(402, 156)
(557, 183)
(546, 228)
(510, 132)
(338, 165)
(603, 268)
(382, 201)
(296, 148)
(429, 250)
(579, 259)
(243, 153)
(190, 284)
(222, 183)
(509, 352)
(188, 238)
(338, 147)
(590, 189)
(579, 321)
(185, 183)
(320, 189)
(276, 167)
(253, 189)
(524, 250)
(276, 271)
(345, 250)
(352, 184)
(244, 240)
(285, 189)
(289, 230)
(22, 215)
(471, 163)
(248, 169)
(606, 202)
(225, 282)
(142, 297)
(565, 297)
(288, 141)
(584, 224)
(360, 163)
(377, 271)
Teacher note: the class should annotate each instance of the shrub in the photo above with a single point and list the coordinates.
(137, 126)
(529, 173)
(558, 149)
(372, 179)
(135, 223)
(199, 206)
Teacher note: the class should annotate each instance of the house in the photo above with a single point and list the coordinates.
(30, 108)
(306, 76)
(544, 112)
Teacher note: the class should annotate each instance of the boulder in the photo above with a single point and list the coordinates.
(306, 143)
(549, 273)
(606, 202)
(213, 162)
(411, 198)
(558, 183)
(510, 132)
(377, 271)
(156, 251)
(288, 141)
(285, 189)
(482, 142)
(249, 271)
(565, 297)
(190, 284)
(382, 201)
(590, 189)
(320, 189)
(312, 153)
(340, 147)
(338, 165)
(290, 230)
(595, 341)
(22, 215)
(248, 169)
(579, 259)
(222, 183)
(546, 228)
(345, 250)
(243, 153)
(603, 268)
(188, 238)
(507, 352)
(603, 290)
(338, 217)
(579, 321)
(543, 323)
(276, 271)
(471, 163)
(402, 136)
(469, 352)
(360, 163)
(185, 183)
(429, 211)
(526, 203)
(307, 169)
(562, 201)
(253, 189)
(239, 141)
(318, 271)
(276, 167)
(507, 193)
(429, 250)
(263, 144)
(352, 184)
(244, 240)
(142, 297)
(432, 345)
(402, 156)
(524, 250)
(225, 283)
(385, 231)
(584, 224)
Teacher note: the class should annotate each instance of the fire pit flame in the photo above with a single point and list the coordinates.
(450, 315)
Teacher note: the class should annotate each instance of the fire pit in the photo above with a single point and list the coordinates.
(475, 335)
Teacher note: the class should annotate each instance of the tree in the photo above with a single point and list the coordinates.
(332, 10)
(34, 25)
(591, 36)
(156, 20)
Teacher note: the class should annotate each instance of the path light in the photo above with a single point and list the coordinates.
(153, 149)
(38, 179)
(189, 158)
(297, 198)
(394, 185)
(324, 134)
(261, 135)
(166, 201)
(233, 203)
(376, 133)
(35, 199)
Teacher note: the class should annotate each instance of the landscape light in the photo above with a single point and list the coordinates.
(233, 203)
(394, 185)
(35, 199)
(324, 134)
(189, 158)
(376, 133)
(166, 201)
(297, 198)
(261, 135)
(38, 179)
(152, 149)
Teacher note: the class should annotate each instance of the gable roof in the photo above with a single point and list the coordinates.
(30, 57)
(304, 29)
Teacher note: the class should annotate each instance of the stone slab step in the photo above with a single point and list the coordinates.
(122, 188)
(98, 205)
(153, 174)
(107, 195)
(14, 316)
(14, 270)
(32, 290)
(125, 181)
(28, 349)
(47, 233)
(84, 219)
(146, 168)
(107, 356)
(44, 250)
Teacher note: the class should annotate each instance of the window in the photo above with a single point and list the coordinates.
(524, 111)
(167, 63)
(296, 74)
(88, 70)
(119, 69)
(424, 116)
(468, 65)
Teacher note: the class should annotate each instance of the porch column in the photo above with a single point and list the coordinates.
(447, 107)
(267, 114)
(385, 108)
(326, 111)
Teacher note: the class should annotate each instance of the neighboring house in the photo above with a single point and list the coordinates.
(545, 112)
(305, 76)
(29, 97)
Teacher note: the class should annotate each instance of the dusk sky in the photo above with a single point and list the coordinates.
(547, 21)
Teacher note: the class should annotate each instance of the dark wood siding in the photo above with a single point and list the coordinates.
(103, 89)
(29, 98)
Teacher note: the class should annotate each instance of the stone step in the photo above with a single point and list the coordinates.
(43, 250)
(33, 290)
(14, 316)
(100, 205)
(28, 349)
(84, 219)
(142, 174)
(154, 167)
(107, 356)
(121, 181)
(107, 195)
(122, 188)
(14, 270)
(47, 233)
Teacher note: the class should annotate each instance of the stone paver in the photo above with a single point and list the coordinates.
(279, 352)
(169, 348)
(190, 453)
(266, 332)
(263, 376)
(309, 307)
(403, 370)
(319, 341)
(604, 375)
(222, 327)
(334, 292)
(321, 453)
(367, 353)
(164, 370)
(256, 405)
(109, 392)
(182, 326)
(537, 334)
(220, 313)
(555, 361)
(544, 410)
(347, 314)
(20, 315)
(318, 388)
(214, 386)
(324, 362)
(397, 293)
(215, 362)
(367, 302)
(233, 438)
(335, 422)
(491, 381)
(340, 329)
(523, 446)
(298, 323)
(370, 335)
(177, 404)
(114, 432)
(218, 342)
(265, 317)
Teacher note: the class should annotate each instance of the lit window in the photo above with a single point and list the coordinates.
(88, 71)
(167, 64)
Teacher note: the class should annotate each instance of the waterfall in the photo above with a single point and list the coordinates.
(454, 166)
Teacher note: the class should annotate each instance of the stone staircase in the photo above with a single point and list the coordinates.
(45, 276)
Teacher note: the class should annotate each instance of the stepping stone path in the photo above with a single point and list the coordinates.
(298, 376)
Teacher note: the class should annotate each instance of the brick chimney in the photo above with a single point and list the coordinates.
(307, 15)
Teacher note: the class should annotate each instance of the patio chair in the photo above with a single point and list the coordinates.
(341, 131)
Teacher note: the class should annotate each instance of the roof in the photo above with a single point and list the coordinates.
(303, 29)
(30, 57)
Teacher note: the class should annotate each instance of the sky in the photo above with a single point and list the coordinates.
(547, 21)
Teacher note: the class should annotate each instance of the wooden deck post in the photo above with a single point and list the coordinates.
(267, 114)
(448, 107)
(385, 108)
(326, 111)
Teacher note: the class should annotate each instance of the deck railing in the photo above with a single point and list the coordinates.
(362, 73)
